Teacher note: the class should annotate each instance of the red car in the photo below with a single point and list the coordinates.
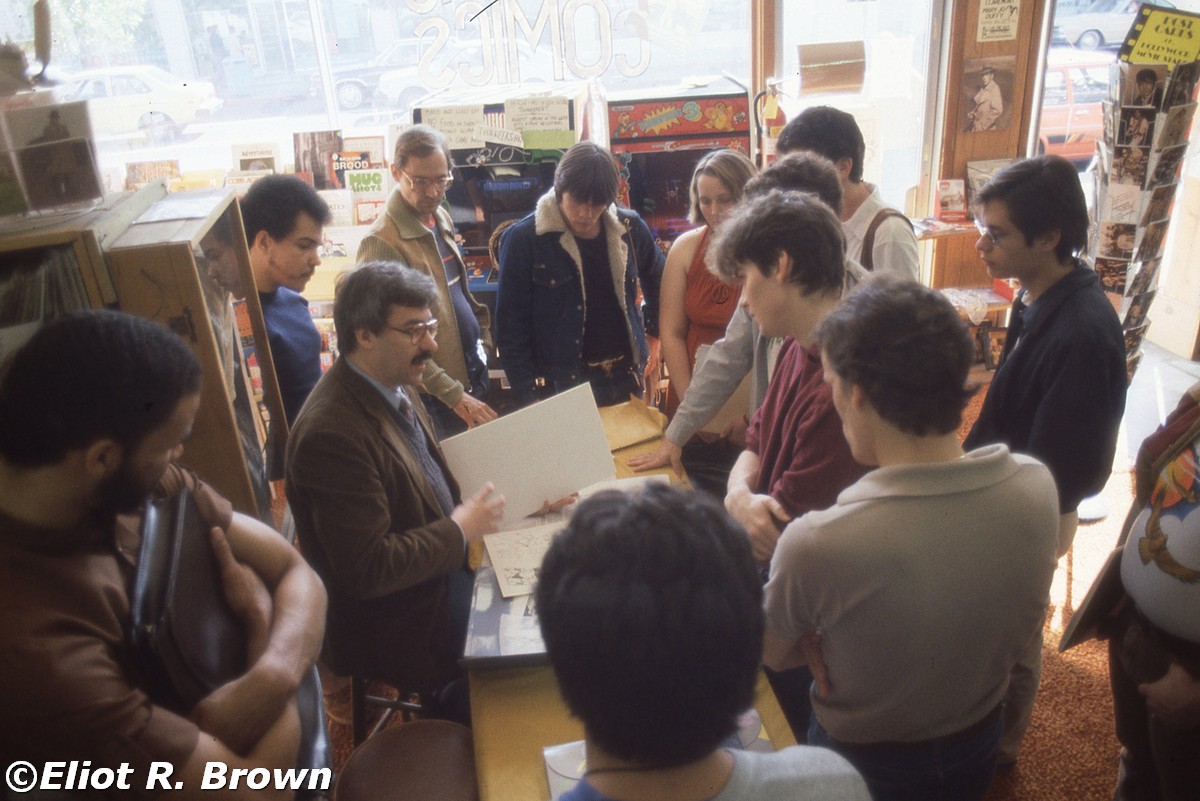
(1074, 86)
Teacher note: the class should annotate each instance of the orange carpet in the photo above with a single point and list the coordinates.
(1071, 750)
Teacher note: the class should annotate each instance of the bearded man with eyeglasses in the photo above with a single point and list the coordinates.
(418, 232)
(378, 513)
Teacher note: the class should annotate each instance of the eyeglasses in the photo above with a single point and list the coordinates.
(994, 238)
(441, 183)
(417, 331)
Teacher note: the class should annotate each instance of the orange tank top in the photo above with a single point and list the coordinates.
(708, 303)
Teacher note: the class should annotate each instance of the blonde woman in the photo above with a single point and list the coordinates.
(695, 305)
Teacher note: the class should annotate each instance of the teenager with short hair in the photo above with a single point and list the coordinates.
(877, 237)
(572, 275)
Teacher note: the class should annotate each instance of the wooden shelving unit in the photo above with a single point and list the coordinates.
(159, 272)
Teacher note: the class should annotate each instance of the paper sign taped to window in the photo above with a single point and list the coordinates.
(832, 67)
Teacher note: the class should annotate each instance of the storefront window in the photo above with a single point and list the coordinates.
(280, 66)
(890, 105)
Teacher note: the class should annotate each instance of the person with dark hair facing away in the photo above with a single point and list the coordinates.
(1059, 389)
(913, 596)
(94, 410)
(651, 611)
(571, 277)
(742, 349)
(877, 237)
(284, 219)
(378, 512)
(416, 231)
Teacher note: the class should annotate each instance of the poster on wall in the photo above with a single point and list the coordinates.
(998, 20)
(987, 93)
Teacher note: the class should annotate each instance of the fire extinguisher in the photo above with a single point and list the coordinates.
(769, 119)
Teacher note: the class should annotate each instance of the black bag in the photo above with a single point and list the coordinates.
(186, 639)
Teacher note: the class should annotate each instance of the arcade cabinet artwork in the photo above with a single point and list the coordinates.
(505, 150)
(659, 139)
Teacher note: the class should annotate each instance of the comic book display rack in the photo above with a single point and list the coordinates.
(1147, 120)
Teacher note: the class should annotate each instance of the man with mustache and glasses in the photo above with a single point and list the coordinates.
(378, 513)
(284, 219)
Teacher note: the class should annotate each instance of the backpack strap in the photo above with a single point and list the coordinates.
(868, 248)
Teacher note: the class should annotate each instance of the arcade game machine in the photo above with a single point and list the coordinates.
(505, 147)
(659, 138)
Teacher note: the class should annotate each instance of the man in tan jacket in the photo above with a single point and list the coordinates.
(417, 232)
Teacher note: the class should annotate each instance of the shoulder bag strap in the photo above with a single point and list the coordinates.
(868, 248)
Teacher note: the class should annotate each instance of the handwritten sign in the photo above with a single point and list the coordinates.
(544, 122)
(998, 20)
(1121, 203)
(537, 114)
(457, 123)
(372, 145)
(499, 136)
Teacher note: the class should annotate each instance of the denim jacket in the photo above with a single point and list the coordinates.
(540, 308)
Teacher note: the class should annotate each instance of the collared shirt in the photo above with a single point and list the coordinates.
(1059, 390)
(402, 404)
(928, 581)
(396, 397)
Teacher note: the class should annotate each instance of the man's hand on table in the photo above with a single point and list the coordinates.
(667, 453)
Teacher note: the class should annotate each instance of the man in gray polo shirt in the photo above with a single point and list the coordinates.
(914, 595)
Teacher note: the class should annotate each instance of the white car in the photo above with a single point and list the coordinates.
(145, 99)
(1105, 22)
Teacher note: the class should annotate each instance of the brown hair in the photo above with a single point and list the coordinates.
(796, 223)
(420, 141)
(731, 168)
(589, 173)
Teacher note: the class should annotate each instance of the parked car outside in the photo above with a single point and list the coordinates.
(1103, 23)
(1074, 86)
(355, 86)
(141, 99)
